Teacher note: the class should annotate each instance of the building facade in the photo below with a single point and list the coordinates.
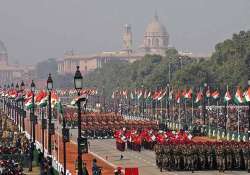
(10, 73)
(155, 41)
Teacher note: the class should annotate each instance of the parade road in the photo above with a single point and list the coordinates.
(144, 160)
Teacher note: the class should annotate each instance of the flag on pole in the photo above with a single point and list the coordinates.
(215, 95)
(178, 97)
(208, 93)
(162, 95)
(227, 96)
(238, 97)
(60, 107)
(28, 103)
(199, 97)
(148, 96)
(54, 99)
(139, 94)
(41, 98)
(188, 94)
(131, 95)
(170, 95)
(157, 94)
(247, 95)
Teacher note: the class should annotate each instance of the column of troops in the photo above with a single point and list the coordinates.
(102, 125)
(203, 156)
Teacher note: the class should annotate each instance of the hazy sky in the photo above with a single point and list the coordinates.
(35, 30)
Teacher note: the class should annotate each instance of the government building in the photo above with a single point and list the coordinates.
(10, 72)
(155, 41)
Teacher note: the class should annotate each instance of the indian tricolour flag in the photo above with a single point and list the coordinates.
(215, 95)
(247, 95)
(238, 97)
(199, 97)
(227, 96)
(54, 99)
(178, 97)
(188, 94)
(162, 95)
(28, 103)
(41, 99)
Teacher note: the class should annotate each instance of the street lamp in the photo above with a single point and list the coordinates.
(248, 82)
(248, 111)
(78, 87)
(32, 123)
(4, 102)
(168, 105)
(22, 105)
(204, 106)
(8, 101)
(17, 109)
(11, 103)
(49, 88)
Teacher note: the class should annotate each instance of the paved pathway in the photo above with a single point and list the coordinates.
(145, 160)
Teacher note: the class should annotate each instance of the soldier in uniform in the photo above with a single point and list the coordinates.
(219, 157)
(224, 158)
(161, 160)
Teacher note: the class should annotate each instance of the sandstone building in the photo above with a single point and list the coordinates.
(155, 41)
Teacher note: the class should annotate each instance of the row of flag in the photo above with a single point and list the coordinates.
(41, 96)
(160, 94)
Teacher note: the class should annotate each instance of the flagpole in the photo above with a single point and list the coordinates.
(173, 111)
(161, 110)
(226, 116)
(238, 130)
(156, 116)
(179, 119)
(151, 109)
(185, 106)
(209, 132)
(192, 115)
(217, 117)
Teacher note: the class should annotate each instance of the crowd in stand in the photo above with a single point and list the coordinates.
(234, 119)
(10, 167)
(13, 148)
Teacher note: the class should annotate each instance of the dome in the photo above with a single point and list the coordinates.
(156, 37)
(3, 49)
(155, 28)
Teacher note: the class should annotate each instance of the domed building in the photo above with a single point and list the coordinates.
(156, 37)
(156, 40)
(3, 54)
(10, 72)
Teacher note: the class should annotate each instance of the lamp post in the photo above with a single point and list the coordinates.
(32, 125)
(248, 133)
(49, 88)
(17, 109)
(12, 105)
(204, 106)
(8, 101)
(168, 105)
(248, 111)
(4, 101)
(78, 87)
(65, 132)
(22, 105)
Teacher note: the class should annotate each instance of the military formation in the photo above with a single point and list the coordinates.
(200, 156)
